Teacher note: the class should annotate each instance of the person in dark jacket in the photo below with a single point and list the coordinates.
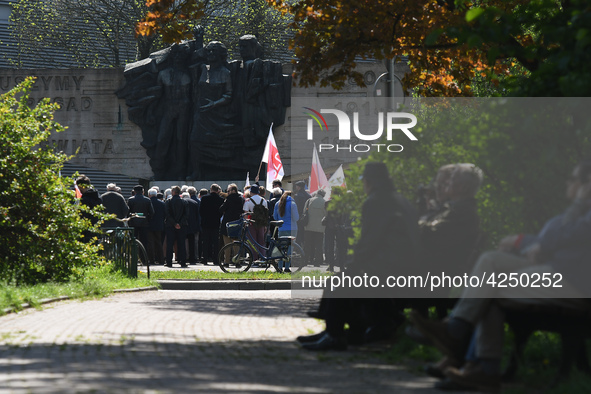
(142, 207)
(177, 212)
(89, 198)
(337, 232)
(231, 210)
(115, 204)
(387, 246)
(194, 226)
(210, 223)
(448, 235)
(276, 194)
(156, 228)
(300, 197)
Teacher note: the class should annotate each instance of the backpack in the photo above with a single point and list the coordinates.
(260, 215)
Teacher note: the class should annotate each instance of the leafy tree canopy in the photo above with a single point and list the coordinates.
(78, 33)
(528, 47)
(223, 20)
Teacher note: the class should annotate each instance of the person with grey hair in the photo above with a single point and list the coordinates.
(466, 179)
(193, 193)
(114, 203)
(155, 247)
(276, 193)
(314, 210)
(448, 235)
(561, 248)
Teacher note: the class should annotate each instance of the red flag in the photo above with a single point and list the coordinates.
(78, 192)
(271, 157)
(317, 176)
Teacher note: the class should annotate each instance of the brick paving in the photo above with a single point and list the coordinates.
(184, 342)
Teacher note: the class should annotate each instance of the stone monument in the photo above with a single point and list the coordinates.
(201, 116)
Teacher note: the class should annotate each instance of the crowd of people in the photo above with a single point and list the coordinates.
(188, 226)
(443, 233)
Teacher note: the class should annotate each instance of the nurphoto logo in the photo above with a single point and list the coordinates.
(393, 121)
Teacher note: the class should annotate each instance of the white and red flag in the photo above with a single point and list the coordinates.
(247, 179)
(77, 190)
(317, 176)
(271, 157)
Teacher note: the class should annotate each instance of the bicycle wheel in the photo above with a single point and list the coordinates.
(296, 258)
(235, 257)
(142, 255)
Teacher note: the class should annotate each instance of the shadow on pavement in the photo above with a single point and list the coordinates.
(141, 365)
(238, 306)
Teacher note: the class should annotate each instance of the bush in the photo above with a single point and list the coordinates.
(40, 225)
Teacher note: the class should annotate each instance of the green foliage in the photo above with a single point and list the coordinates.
(550, 39)
(40, 226)
(79, 33)
(227, 21)
(526, 156)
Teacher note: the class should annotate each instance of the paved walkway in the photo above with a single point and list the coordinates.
(184, 342)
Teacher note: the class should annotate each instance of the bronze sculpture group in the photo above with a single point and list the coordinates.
(203, 117)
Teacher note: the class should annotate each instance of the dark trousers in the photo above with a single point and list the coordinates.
(313, 247)
(173, 235)
(154, 247)
(330, 236)
(141, 233)
(339, 311)
(210, 244)
(336, 243)
(359, 313)
(191, 238)
(200, 247)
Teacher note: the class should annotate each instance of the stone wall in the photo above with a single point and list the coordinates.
(96, 120)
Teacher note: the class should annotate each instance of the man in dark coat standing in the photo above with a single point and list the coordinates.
(91, 199)
(142, 207)
(210, 223)
(114, 203)
(300, 197)
(194, 227)
(177, 211)
(155, 230)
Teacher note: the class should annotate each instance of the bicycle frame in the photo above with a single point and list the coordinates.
(246, 239)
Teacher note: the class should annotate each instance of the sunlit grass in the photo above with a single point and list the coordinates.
(94, 283)
(270, 274)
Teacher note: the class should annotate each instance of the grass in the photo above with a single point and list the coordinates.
(270, 274)
(94, 283)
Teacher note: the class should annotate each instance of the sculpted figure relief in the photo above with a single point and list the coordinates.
(202, 117)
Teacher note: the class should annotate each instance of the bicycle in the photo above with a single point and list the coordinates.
(119, 249)
(238, 255)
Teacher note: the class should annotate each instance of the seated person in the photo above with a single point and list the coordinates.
(447, 235)
(388, 222)
(561, 248)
